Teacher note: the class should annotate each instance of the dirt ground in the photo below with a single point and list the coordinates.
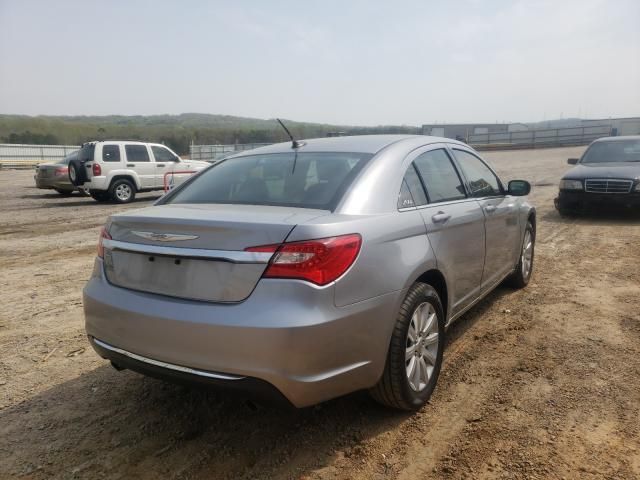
(538, 383)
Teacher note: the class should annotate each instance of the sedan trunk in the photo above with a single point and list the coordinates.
(196, 251)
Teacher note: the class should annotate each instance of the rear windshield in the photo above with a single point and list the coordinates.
(306, 180)
(72, 156)
(615, 151)
(85, 154)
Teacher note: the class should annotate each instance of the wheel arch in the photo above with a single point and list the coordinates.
(132, 179)
(531, 217)
(436, 279)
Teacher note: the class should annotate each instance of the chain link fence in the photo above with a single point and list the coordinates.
(26, 156)
(552, 137)
(211, 153)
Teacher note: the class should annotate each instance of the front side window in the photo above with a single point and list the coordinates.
(163, 155)
(110, 153)
(482, 181)
(614, 151)
(137, 153)
(439, 176)
(306, 180)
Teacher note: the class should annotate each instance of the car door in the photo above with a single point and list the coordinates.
(454, 222)
(500, 212)
(166, 162)
(139, 160)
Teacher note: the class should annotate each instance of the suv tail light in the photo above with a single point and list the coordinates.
(103, 235)
(61, 171)
(318, 261)
(97, 171)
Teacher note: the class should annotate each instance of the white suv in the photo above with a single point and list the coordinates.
(117, 170)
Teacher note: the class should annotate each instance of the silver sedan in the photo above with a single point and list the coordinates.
(311, 270)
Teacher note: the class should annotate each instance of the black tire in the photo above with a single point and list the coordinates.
(64, 193)
(100, 196)
(393, 389)
(519, 278)
(122, 191)
(77, 173)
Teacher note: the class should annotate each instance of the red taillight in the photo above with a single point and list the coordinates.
(97, 171)
(318, 261)
(60, 171)
(103, 234)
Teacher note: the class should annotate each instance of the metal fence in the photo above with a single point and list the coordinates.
(553, 137)
(210, 153)
(18, 155)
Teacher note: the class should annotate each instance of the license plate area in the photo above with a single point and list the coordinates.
(182, 277)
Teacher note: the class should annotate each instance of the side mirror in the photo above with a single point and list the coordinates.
(519, 188)
(176, 159)
(573, 161)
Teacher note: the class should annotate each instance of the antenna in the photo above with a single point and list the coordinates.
(294, 142)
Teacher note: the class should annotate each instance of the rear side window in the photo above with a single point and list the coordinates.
(307, 180)
(414, 189)
(110, 153)
(439, 176)
(482, 181)
(137, 153)
(161, 154)
(85, 154)
(405, 200)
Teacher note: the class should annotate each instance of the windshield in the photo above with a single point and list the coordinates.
(306, 180)
(614, 151)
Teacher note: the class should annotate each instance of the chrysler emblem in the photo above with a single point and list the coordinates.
(164, 237)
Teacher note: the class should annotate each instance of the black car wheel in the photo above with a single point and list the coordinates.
(77, 174)
(122, 191)
(415, 352)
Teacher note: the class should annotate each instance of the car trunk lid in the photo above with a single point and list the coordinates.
(196, 251)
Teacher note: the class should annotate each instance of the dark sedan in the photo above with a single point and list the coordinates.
(607, 175)
(55, 176)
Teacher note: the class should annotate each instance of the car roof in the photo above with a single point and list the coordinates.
(355, 143)
(128, 142)
(617, 139)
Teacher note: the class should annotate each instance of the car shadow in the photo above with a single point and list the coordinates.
(88, 201)
(105, 418)
(600, 217)
(52, 195)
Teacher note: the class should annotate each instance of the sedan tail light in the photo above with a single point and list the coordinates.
(318, 261)
(104, 234)
(96, 169)
(61, 171)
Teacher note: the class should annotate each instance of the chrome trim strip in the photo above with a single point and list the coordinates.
(225, 255)
(170, 366)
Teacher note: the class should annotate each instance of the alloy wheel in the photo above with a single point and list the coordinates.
(421, 346)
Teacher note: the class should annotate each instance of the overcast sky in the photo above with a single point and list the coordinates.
(346, 62)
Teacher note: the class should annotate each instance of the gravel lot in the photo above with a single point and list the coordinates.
(538, 383)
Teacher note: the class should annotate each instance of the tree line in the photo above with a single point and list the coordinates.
(175, 131)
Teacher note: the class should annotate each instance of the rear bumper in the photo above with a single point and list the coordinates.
(96, 183)
(60, 183)
(580, 201)
(174, 373)
(287, 334)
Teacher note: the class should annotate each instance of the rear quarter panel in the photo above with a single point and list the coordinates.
(395, 251)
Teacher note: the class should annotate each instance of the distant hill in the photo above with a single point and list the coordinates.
(177, 131)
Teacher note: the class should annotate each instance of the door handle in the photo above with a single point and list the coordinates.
(490, 208)
(440, 217)
(160, 164)
(131, 164)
